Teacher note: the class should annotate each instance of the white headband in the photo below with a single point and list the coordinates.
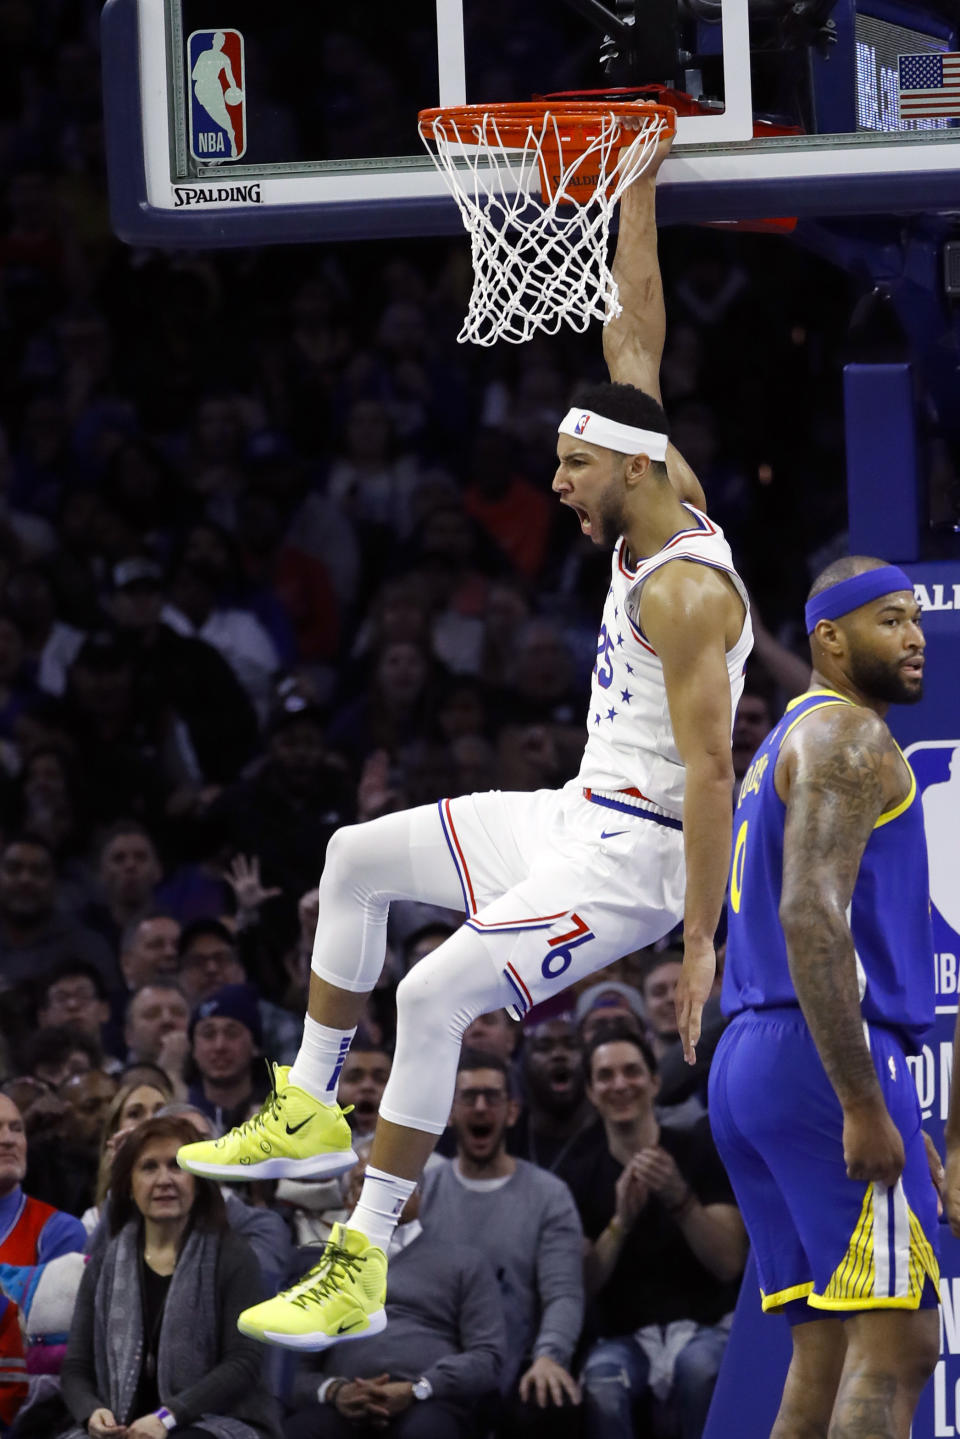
(598, 430)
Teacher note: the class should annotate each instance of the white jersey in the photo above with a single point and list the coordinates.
(630, 743)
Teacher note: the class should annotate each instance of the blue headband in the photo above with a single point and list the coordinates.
(850, 594)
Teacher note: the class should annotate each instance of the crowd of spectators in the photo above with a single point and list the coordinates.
(567, 1208)
(277, 555)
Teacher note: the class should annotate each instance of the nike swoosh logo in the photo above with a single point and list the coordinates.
(611, 834)
(292, 1128)
(345, 1328)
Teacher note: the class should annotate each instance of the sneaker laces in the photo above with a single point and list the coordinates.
(271, 1106)
(322, 1281)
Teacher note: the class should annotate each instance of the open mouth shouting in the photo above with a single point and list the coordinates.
(581, 514)
(483, 1135)
(560, 1079)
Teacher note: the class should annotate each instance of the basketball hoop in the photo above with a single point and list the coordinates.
(540, 263)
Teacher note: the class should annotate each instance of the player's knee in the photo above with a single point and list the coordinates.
(428, 1000)
(420, 1000)
(337, 846)
(410, 991)
(342, 856)
(908, 1348)
(924, 1350)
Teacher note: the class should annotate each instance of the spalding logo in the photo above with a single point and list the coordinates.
(216, 195)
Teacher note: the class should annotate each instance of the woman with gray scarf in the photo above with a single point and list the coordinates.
(154, 1346)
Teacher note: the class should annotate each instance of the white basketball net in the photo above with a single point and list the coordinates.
(537, 264)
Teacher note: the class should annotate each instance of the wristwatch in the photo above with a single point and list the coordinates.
(166, 1418)
(423, 1389)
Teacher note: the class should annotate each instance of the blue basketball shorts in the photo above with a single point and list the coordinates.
(836, 1243)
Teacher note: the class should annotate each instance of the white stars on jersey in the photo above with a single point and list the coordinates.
(630, 742)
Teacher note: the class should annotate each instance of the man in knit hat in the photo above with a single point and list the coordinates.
(225, 1039)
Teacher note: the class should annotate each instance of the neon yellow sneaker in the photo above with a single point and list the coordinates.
(340, 1298)
(294, 1136)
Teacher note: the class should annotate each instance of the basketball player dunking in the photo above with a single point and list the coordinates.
(555, 884)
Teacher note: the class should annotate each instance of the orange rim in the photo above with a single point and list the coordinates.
(513, 121)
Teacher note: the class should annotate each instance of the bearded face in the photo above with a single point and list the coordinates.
(886, 645)
(590, 480)
(895, 681)
(607, 519)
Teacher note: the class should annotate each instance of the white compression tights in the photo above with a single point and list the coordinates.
(405, 856)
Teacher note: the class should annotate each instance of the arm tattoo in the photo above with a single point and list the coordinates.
(836, 798)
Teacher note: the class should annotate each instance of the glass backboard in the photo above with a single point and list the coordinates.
(796, 107)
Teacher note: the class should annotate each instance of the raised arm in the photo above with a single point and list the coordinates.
(837, 774)
(692, 616)
(633, 342)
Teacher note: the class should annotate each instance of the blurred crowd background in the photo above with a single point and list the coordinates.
(277, 555)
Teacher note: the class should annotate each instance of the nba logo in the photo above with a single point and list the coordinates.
(936, 764)
(216, 84)
(581, 424)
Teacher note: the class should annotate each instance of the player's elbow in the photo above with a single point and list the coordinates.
(801, 908)
(709, 767)
(628, 361)
(794, 916)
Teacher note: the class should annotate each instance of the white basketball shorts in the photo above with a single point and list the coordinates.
(558, 885)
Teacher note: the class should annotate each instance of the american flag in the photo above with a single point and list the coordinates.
(929, 86)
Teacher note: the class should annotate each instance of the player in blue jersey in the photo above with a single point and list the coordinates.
(829, 982)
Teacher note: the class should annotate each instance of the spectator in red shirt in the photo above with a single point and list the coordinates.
(13, 1367)
(31, 1232)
